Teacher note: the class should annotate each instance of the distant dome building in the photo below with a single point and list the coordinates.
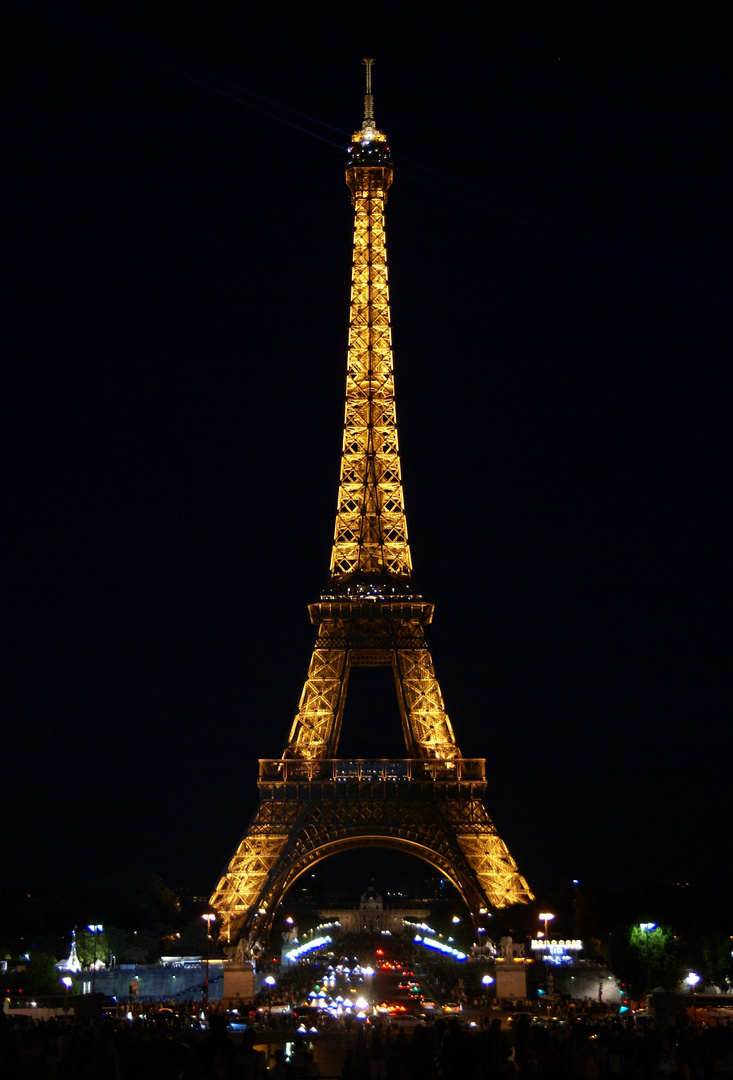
(371, 916)
(371, 900)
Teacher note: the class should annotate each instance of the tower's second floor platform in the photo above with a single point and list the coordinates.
(389, 771)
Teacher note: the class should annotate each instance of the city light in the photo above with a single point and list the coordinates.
(431, 943)
(309, 946)
(556, 952)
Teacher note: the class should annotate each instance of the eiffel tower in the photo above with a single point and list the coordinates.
(312, 803)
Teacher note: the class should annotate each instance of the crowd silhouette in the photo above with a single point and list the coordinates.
(589, 1047)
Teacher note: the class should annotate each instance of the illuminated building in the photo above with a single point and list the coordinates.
(557, 952)
(312, 803)
(371, 916)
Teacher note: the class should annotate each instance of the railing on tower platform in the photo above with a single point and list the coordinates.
(388, 770)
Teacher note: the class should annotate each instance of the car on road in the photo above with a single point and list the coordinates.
(390, 1008)
(518, 1018)
(451, 1007)
(548, 1021)
(306, 1012)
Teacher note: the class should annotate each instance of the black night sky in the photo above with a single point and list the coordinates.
(179, 253)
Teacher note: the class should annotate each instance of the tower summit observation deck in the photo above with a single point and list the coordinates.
(313, 804)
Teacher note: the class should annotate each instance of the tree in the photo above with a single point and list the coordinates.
(139, 900)
(89, 946)
(117, 941)
(716, 957)
(192, 940)
(38, 978)
(654, 957)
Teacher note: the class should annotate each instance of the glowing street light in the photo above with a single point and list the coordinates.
(545, 917)
(646, 928)
(208, 918)
(95, 929)
(269, 982)
(68, 983)
(486, 982)
(692, 980)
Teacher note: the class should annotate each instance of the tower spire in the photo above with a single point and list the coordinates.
(368, 124)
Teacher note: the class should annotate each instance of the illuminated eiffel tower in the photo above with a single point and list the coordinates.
(312, 803)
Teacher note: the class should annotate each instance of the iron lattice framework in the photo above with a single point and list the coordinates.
(313, 804)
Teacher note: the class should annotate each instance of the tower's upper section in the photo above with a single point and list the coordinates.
(371, 555)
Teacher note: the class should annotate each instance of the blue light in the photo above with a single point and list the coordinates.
(308, 947)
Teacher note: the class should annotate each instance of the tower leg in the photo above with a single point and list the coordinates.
(315, 728)
(237, 896)
(429, 728)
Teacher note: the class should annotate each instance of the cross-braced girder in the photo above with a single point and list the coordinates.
(378, 632)
(441, 821)
(370, 537)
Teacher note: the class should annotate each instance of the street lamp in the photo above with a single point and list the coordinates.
(209, 918)
(692, 980)
(68, 983)
(545, 917)
(486, 982)
(95, 930)
(269, 982)
(646, 928)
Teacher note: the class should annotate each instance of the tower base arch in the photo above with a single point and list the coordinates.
(302, 821)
